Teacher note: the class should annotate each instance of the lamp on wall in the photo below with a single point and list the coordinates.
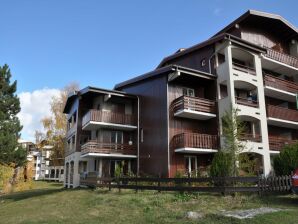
(130, 141)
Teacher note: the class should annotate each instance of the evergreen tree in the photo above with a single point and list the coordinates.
(10, 151)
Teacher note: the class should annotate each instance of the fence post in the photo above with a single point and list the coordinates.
(259, 185)
(188, 175)
(224, 186)
(118, 183)
(159, 176)
(136, 184)
(110, 180)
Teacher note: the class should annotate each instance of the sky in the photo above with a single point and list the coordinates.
(50, 43)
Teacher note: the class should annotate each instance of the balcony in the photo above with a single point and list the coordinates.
(195, 143)
(280, 88)
(251, 137)
(281, 57)
(282, 117)
(244, 68)
(95, 119)
(247, 102)
(277, 144)
(194, 108)
(94, 148)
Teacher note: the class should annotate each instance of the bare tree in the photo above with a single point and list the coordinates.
(55, 124)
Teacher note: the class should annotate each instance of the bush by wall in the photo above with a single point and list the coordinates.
(222, 165)
(287, 160)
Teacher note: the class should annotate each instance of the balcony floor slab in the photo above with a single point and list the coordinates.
(94, 125)
(105, 155)
(282, 123)
(186, 113)
(279, 94)
(195, 150)
(278, 67)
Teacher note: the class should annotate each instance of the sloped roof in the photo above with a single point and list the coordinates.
(260, 15)
(90, 89)
(211, 41)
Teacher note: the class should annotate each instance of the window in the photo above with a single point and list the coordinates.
(188, 92)
(191, 165)
(117, 138)
(203, 62)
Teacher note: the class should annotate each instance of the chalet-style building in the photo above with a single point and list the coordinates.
(169, 120)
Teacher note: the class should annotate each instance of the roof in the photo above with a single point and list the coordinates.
(90, 89)
(256, 13)
(161, 71)
(211, 41)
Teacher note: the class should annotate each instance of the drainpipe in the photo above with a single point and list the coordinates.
(138, 142)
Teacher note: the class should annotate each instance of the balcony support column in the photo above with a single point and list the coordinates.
(266, 164)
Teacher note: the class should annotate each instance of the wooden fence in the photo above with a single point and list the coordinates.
(207, 184)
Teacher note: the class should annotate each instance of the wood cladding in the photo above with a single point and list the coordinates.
(178, 126)
(153, 155)
(277, 144)
(195, 140)
(279, 83)
(281, 57)
(94, 146)
(193, 103)
(282, 113)
(108, 117)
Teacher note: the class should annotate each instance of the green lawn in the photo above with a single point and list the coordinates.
(49, 203)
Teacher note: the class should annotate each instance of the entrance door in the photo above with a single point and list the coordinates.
(191, 165)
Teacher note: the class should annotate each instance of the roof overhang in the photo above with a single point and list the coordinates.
(90, 89)
(261, 15)
(174, 70)
(221, 37)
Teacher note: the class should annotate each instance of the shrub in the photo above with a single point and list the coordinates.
(222, 164)
(287, 160)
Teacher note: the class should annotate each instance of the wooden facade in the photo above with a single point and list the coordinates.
(187, 81)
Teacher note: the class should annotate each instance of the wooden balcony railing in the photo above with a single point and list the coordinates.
(194, 103)
(108, 117)
(195, 140)
(244, 68)
(94, 146)
(281, 57)
(282, 113)
(281, 84)
(251, 137)
(277, 144)
(246, 102)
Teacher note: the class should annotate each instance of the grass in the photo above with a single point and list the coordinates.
(49, 203)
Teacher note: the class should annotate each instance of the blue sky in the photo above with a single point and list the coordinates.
(50, 43)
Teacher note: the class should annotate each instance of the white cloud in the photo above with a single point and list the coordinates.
(34, 106)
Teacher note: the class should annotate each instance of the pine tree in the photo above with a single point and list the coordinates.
(10, 151)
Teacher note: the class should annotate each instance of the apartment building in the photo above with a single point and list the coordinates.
(40, 165)
(170, 119)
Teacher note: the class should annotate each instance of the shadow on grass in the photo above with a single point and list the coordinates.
(29, 194)
(280, 199)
